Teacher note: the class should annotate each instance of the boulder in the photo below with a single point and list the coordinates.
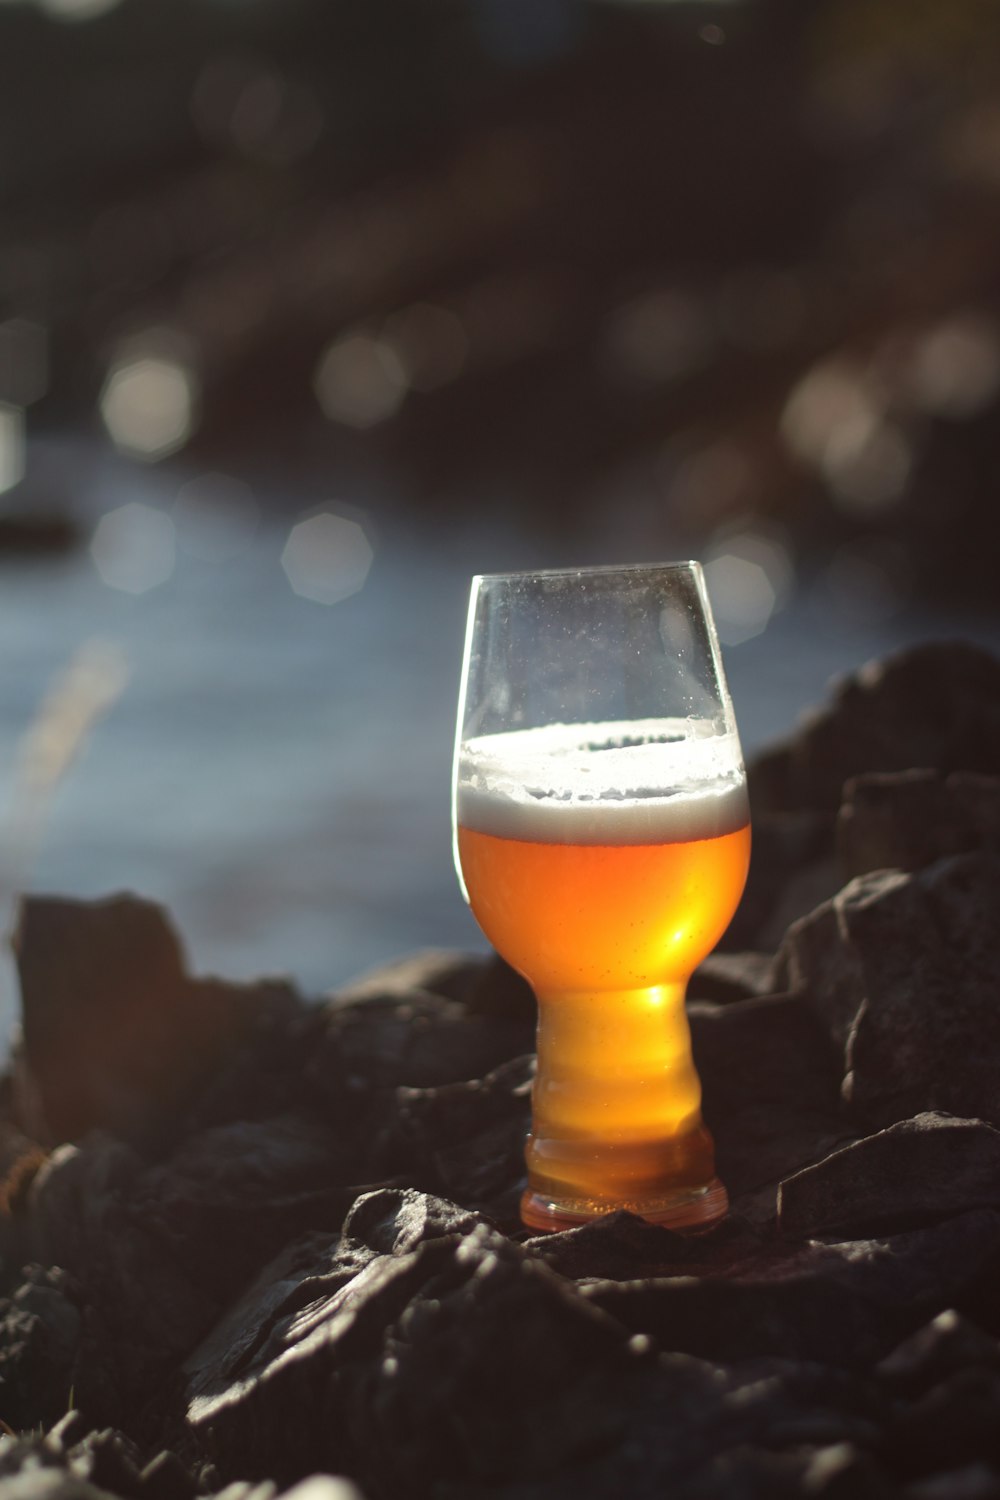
(115, 1033)
(919, 1170)
(935, 706)
(904, 820)
(845, 1303)
(901, 969)
(416, 1346)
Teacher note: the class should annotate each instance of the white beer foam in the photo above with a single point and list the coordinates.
(643, 782)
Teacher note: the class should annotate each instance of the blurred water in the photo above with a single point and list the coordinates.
(277, 772)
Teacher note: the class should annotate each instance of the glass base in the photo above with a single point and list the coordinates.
(690, 1210)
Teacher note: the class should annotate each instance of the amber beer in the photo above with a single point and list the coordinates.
(606, 898)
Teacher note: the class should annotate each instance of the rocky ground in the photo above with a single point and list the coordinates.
(249, 1243)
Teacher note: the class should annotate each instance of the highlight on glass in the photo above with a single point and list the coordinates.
(602, 840)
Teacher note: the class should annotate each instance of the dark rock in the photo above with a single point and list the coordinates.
(159, 1249)
(404, 1371)
(464, 1140)
(907, 819)
(109, 1460)
(936, 706)
(901, 968)
(40, 1338)
(791, 870)
(914, 1172)
(948, 1344)
(417, 1040)
(69, 1430)
(770, 1082)
(724, 977)
(699, 1432)
(621, 1247)
(115, 1034)
(948, 1425)
(970, 1482)
(229, 1198)
(846, 1304)
(484, 986)
(166, 1478)
(44, 1483)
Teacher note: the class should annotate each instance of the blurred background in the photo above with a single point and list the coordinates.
(310, 309)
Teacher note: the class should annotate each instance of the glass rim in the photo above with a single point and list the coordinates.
(689, 565)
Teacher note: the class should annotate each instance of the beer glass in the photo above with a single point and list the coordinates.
(602, 839)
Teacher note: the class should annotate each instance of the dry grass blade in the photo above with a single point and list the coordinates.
(90, 685)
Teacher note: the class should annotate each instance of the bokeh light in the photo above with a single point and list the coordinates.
(327, 557)
(11, 446)
(360, 380)
(956, 367)
(710, 483)
(749, 576)
(866, 469)
(658, 337)
(149, 404)
(832, 407)
(133, 548)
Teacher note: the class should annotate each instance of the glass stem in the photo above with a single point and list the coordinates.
(616, 1103)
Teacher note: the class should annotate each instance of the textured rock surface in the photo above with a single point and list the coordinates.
(902, 969)
(907, 819)
(935, 706)
(919, 1170)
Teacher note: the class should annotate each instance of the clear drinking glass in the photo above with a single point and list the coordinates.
(602, 839)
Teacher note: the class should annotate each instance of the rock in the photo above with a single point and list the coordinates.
(947, 1344)
(417, 1040)
(770, 1094)
(110, 1461)
(464, 1140)
(115, 1034)
(484, 986)
(69, 1430)
(400, 1367)
(846, 1304)
(724, 977)
(166, 1478)
(907, 819)
(324, 1487)
(914, 1172)
(970, 1482)
(792, 857)
(159, 1249)
(49, 1484)
(953, 1422)
(40, 1340)
(901, 969)
(844, 1472)
(935, 706)
(620, 1247)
